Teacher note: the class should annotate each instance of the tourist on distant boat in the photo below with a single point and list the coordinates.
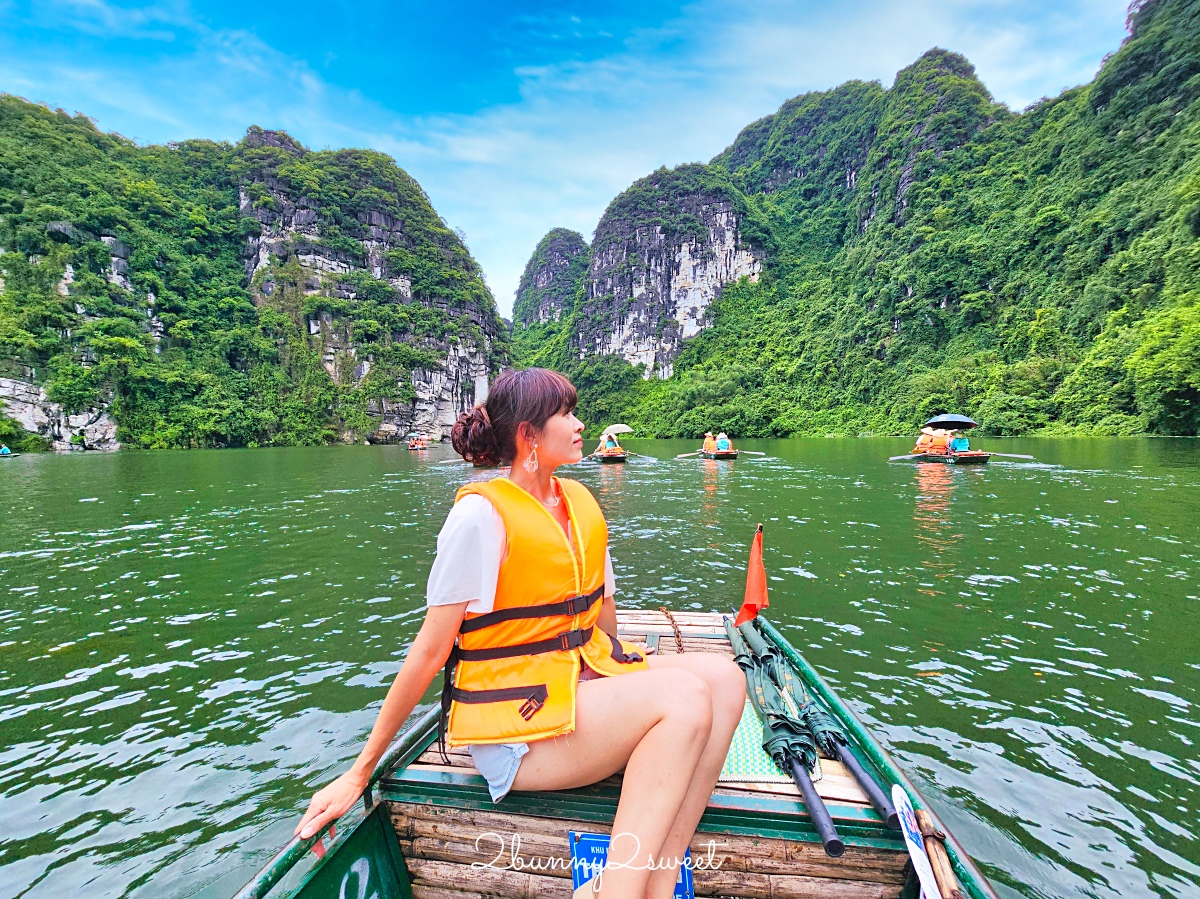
(959, 444)
(4, 450)
(710, 443)
(608, 442)
(723, 443)
(939, 442)
(531, 544)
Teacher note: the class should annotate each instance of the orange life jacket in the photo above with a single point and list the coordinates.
(516, 668)
(710, 445)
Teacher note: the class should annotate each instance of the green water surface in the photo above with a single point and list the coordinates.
(191, 641)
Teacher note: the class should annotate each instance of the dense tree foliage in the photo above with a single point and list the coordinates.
(124, 282)
(928, 250)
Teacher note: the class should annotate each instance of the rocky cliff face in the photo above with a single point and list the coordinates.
(361, 257)
(551, 278)
(663, 253)
(28, 405)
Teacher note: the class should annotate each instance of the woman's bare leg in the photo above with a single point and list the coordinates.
(655, 724)
(727, 687)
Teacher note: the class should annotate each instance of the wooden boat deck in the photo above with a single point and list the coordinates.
(445, 820)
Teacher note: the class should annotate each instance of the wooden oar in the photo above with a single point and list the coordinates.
(640, 456)
(685, 455)
(1010, 455)
(902, 458)
(751, 453)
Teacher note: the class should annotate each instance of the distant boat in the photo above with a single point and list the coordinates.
(970, 457)
(9, 455)
(615, 453)
(611, 455)
(938, 441)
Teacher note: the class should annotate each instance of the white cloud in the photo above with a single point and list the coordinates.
(583, 131)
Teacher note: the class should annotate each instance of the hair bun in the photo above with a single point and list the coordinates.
(474, 439)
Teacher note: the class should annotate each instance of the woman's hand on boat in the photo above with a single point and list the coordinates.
(329, 803)
(424, 660)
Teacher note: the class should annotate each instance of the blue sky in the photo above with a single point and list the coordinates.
(515, 117)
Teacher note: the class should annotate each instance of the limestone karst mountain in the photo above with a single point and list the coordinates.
(867, 256)
(204, 294)
(551, 278)
(663, 252)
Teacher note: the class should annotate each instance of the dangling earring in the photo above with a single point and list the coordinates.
(531, 462)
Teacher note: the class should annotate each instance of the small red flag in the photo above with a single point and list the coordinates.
(756, 583)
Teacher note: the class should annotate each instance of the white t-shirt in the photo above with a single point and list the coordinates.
(470, 548)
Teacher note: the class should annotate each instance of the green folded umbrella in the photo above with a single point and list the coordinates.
(786, 738)
(818, 724)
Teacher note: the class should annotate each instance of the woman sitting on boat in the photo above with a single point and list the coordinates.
(608, 442)
(710, 443)
(545, 696)
(724, 445)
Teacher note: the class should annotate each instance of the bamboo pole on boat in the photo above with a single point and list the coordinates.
(935, 847)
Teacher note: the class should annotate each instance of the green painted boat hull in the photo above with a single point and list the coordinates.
(953, 458)
(366, 859)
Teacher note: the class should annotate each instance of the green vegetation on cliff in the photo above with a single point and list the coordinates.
(929, 250)
(126, 281)
(551, 278)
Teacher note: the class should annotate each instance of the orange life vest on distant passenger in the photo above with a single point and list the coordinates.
(517, 667)
(710, 445)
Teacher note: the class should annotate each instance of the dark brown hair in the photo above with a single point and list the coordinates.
(487, 435)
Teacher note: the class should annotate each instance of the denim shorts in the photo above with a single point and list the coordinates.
(498, 763)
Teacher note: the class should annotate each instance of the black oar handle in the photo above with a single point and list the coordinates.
(878, 798)
(834, 847)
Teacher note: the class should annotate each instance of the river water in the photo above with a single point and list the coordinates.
(190, 641)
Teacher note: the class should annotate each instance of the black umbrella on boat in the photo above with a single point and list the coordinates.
(786, 739)
(830, 738)
(952, 422)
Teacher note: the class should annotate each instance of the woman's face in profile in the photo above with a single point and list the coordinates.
(561, 441)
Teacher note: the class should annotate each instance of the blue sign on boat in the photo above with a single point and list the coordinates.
(589, 851)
